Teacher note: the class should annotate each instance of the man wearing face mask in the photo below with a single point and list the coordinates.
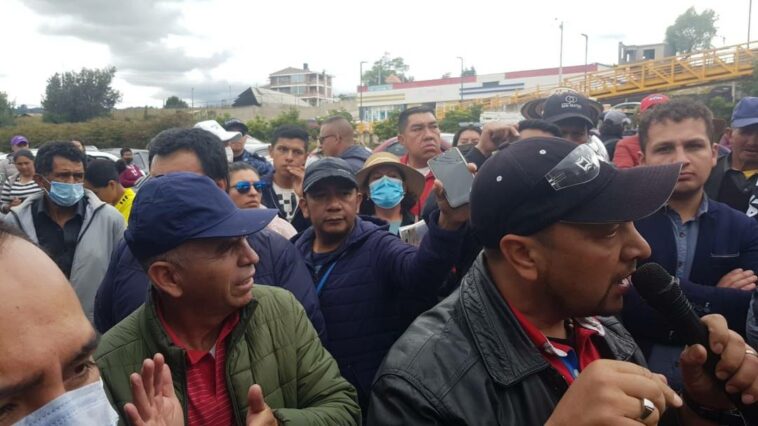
(226, 137)
(47, 374)
(75, 228)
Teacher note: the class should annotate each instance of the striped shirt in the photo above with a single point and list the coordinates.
(208, 401)
(13, 188)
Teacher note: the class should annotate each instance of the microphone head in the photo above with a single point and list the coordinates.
(656, 286)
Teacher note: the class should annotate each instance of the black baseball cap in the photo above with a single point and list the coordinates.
(328, 168)
(235, 125)
(178, 207)
(562, 106)
(536, 182)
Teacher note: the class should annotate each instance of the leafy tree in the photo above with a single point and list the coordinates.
(692, 30)
(387, 128)
(469, 72)
(7, 117)
(74, 97)
(749, 86)
(385, 67)
(259, 128)
(721, 108)
(175, 102)
(451, 122)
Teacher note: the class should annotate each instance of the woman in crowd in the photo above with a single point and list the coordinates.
(20, 185)
(245, 190)
(390, 189)
(467, 138)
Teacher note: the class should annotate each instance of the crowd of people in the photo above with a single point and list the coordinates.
(219, 287)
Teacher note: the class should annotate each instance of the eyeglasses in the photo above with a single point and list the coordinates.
(321, 139)
(243, 187)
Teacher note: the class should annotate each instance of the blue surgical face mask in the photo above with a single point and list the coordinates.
(65, 194)
(386, 192)
(86, 406)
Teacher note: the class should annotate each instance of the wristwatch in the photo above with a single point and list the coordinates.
(727, 418)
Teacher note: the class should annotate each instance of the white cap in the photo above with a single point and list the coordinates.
(215, 128)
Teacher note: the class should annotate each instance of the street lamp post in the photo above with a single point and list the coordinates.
(461, 89)
(360, 94)
(749, 15)
(586, 45)
(560, 60)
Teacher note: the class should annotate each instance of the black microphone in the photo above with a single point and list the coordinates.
(661, 291)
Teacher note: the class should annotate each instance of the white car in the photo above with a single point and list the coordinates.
(254, 146)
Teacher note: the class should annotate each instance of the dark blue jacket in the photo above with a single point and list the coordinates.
(260, 164)
(727, 239)
(377, 288)
(125, 286)
(355, 156)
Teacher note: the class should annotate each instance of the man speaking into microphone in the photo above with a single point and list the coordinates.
(530, 337)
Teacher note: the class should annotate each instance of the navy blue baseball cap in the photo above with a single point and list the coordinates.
(745, 112)
(536, 182)
(328, 168)
(178, 207)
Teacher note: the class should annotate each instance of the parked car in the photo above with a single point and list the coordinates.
(393, 146)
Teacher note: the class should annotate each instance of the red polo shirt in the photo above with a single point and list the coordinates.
(417, 209)
(567, 360)
(208, 400)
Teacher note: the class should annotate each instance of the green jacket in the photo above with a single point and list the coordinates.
(274, 345)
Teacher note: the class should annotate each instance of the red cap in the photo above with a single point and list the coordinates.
(652, 100)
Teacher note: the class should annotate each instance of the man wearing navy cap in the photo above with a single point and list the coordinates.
(734, 179)
(371, 285)
(530, 337)
(220, 335)
(260, 164)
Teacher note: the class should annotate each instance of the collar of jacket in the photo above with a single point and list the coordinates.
(158, 341)
(506, 351)
(364, 226)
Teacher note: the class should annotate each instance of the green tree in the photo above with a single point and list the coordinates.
(175, 102)
(749, 86)
(692, 30)
(79, 96)
(387, 128)
(259, 128)
(469, 72)
(721, 108)
(7, 117)
(384, 68)
(451, 122)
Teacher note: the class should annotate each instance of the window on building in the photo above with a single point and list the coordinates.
(648, 54)
(297, 78)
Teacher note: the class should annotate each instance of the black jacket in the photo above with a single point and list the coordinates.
(468, 362)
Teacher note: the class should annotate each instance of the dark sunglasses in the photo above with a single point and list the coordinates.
(243, 187)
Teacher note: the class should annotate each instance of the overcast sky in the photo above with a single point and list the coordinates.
(164, 48)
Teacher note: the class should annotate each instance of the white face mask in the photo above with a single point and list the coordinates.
(86, 406)
(229, 154)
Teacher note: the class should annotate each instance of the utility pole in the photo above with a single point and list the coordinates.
(586, 82)
(461, 89)
(749, 15)
(193, 98)
(360, 94)
(560, 60)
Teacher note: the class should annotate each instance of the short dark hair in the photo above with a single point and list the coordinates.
(537, 124)
(465, 129)
(241, 165)
(205, 145)
(402, 120)
(23, 153)
(120, 166)
(8, 231)
(676, 110)
(290, 132)
(125, 149)
(43, 164)
(100, 172)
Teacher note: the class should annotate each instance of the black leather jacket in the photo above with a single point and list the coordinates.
(468, 362)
